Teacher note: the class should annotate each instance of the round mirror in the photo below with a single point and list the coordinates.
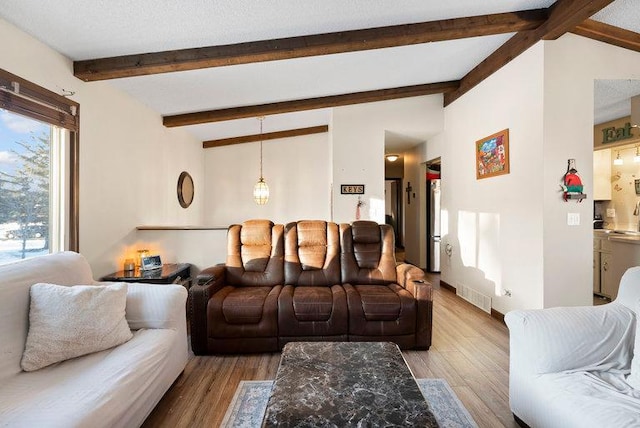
(185, 189)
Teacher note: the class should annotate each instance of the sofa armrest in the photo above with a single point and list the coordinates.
(156, 306)
(411, 278)
(407, 273)
(574, 338)
(209, 282)
(423, 293)
(211, 273)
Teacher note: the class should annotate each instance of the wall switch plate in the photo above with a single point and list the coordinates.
(573, 219)
(611, 212)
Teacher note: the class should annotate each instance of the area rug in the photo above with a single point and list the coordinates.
(250, 402)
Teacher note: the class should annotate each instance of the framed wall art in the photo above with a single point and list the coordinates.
(492, 155)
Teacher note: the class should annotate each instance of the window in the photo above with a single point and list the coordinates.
(38, 170)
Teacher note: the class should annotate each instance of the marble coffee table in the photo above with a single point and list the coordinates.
(345, 384)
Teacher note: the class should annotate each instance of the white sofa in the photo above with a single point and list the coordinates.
(572, 367)
(117, 387)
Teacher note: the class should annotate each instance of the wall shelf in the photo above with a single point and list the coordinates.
(575, 196)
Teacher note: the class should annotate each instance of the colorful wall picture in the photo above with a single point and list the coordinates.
(492, 155)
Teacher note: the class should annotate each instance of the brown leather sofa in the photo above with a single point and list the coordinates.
(309, 281)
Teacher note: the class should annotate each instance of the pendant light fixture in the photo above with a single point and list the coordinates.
(261, 190)
(618, 160)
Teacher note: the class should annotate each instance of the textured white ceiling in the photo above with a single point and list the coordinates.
(612, 98)
(621, 13)
(82, 29)
(273, 81)
(272, 123)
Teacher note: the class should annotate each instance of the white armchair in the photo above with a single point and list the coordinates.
(569, 367)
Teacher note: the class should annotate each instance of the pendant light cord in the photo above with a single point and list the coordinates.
(261, 190)
(261, 120)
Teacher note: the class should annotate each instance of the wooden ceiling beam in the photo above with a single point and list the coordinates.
(513, 47)
(564, 16)
(305, 46)
(307, 104)
(608, 34)
(266, 136)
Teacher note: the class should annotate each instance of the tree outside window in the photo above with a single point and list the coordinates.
(25, 167)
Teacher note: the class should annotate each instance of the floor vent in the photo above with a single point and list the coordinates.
(475, 298)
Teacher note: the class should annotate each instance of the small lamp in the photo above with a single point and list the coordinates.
(142, 253)
(618, 160)
(129, 265)
(261, 192)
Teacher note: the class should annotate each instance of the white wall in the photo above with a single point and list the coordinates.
(129, 162)
(358, 138)
(415, 233)
(510, 231)
(200, 248)
(297, 171)
(571, 65)
(494, 225)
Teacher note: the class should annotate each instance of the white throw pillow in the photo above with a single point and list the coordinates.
(67, 322)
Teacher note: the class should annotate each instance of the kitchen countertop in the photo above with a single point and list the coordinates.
(624, 236)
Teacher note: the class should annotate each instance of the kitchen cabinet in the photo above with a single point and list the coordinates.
(602, 175)
(613, 254)
(596, 272)
(625, 251)
(608, 284)
(604, 283)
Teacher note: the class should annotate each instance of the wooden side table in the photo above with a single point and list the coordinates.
(171, 273)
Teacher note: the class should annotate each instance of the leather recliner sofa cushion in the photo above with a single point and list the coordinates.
(378, 305)
(247, 306)
(312, 303)
(255, 252)
(300, 316)
(312, 251)
(367, 318)
(244, 305)
(255, 320)
(367, 255)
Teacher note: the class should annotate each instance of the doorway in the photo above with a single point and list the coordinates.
(393, 207)
(433, 215)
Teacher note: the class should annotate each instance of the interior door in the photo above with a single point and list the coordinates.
(393, 208)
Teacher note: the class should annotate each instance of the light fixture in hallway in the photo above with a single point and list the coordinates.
(261, 189)
(392, 158)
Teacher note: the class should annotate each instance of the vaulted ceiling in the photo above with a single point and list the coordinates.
(213, 66)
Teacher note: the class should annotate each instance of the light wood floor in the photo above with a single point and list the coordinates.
(470, 350)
